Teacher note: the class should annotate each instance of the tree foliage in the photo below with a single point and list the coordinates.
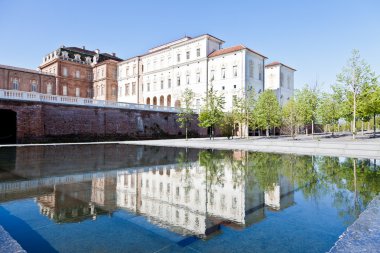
(267, 111)
(290, 117)
(212, 111)
(186, 112)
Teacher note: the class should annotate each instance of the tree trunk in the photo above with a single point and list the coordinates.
(354, 123)
(306, 130)
(312, 129)
(374, 125)
(362, 127)
(186, 132)
(267, 131)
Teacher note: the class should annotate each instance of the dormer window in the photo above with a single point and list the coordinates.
(65, 54)
(77, 57)
(88, 59)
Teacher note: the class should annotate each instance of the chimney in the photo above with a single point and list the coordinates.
(97, 51)
(113, 54)
(83, 47)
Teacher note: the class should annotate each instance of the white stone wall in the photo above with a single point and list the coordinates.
(281, 79)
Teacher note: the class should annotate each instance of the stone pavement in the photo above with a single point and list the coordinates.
(8, 244)
(364, 234)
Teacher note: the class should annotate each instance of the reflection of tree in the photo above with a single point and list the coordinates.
(353, 183)
(183, 163)
(266, 169)
(212, 162)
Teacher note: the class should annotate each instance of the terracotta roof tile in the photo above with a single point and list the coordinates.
(233, 49)
(276, 63)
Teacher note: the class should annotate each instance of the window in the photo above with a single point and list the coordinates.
(198, 77)
(134, 88)
(162, 84)
(212, 75)
(234, 86)
(148, 86)
(178, 57)
(77, 92)
(120, 90)
(198, 52)
(64, 71)
(114, 92)
(178, 81)
(260, 72)
(34, 86)
(64, 90)
(102, 90)
(234, 70)
(250, 68)
(223, 87)
(281, 79)
(77, 74)
(102, 72)
(169, 83)
(89, 76)
(198, 104)
(134, 69)
(49, 89)
(16, 84)
(187, 79)
(188, 55)
(223, 73)
(127, 89)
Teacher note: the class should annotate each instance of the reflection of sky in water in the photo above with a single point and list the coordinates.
(143, 199)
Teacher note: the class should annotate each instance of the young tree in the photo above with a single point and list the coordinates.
(307, 100)
(267, 111)
(329, 110)
(353, 77)
(369, 104)
(212, 111)
(186, 112)
(290, 117)
(242, 108)
(227, 125)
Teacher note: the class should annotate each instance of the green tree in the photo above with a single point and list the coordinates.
(186, 112)
(353, 77)
(227, 125)
(290, 117)
(369, 103)
(212, 111)
(307, 101)
(329, 110)
(242, 108)
(267, 111)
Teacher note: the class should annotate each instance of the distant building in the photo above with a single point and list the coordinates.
(280, 78)
(82, 73)
(160, 76)
(13, 78)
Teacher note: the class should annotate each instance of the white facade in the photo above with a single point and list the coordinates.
(195, 63)
(280, 78)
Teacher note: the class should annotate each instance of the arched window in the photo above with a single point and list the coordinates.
(49, 89)
(169, 100)
(162, 101)
(148, 101)
(16, 84)
(154, 100)
(177, 104)
(34, 86)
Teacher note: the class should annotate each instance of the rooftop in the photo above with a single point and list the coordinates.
(24, 70)
(276, 63)
(233, 49)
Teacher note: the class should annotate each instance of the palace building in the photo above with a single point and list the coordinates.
(83, 73)
(160, 76)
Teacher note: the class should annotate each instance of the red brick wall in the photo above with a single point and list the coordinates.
(38, 122)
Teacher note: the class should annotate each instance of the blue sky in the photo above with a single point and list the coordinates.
(315, 37)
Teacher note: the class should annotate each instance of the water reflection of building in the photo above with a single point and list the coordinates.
(79, 201)
(180, 199)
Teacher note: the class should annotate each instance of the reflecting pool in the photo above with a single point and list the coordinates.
(123, 198)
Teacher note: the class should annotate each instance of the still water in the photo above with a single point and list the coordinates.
(123, 198)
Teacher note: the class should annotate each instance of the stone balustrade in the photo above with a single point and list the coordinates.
(54, 99)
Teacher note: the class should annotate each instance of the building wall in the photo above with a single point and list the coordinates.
(37, 122)
(27, 80)
(105, 81)
(280, 79)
